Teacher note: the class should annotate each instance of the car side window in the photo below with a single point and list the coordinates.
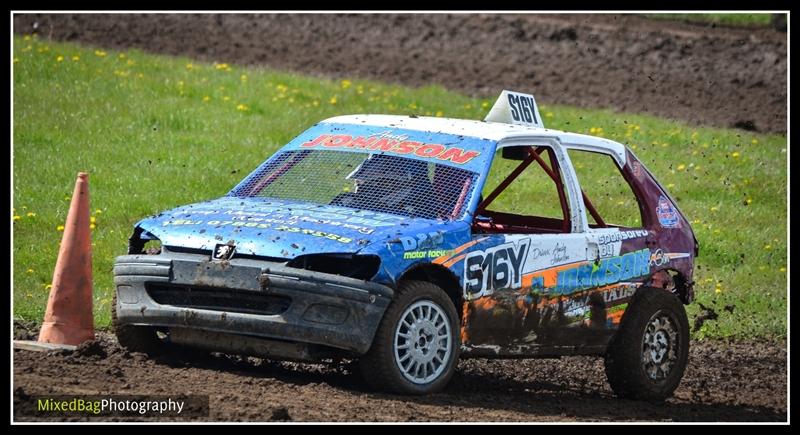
(523, 194)
(607, 194)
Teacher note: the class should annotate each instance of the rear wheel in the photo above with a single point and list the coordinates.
(135, 338)
(417, 344)
(648, 355)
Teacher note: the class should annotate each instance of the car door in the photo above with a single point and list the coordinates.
(617, 242)
(529, 241)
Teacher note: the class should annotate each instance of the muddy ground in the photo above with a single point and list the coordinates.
(701, 74)
(742, 381)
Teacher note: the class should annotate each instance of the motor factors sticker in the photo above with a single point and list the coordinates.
(668, 216)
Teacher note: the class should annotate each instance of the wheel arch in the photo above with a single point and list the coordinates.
(675, 282)
(439, 275)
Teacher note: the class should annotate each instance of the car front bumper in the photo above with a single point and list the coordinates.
(249, 297)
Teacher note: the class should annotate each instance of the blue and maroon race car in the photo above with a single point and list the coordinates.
(388, 239)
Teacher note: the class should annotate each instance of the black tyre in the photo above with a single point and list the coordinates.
(648, 355)
(135, 338)
(417, 345)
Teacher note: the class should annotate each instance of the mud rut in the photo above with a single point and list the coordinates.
(708, 76)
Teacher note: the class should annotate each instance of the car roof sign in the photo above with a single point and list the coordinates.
(515, 108)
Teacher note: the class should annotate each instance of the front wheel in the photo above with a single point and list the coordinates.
(417, 344)
(648, 355)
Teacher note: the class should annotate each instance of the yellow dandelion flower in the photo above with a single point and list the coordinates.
(548, 114)
(31, 214)
(315, 103)
(241, 107)
(76, 58)
(26, 38)
(206, 99)
(783, 269)
(122, 56)
(60, 58)
(243, 77)
(189, 66)
(718, 290)
(29, 270)
(92, 226)
(681, 167)
(226, 98)
(17, 217)
(754, 141)
(749, 201)
(98, 211)
(735, 154)
(670, 185)
(332, 101)
(715, 208)
(346, 83)
(100, 53)
(767, 247)
(439, 113)
(593, 130)
(92, 219)
(60, 228)
(48, 286)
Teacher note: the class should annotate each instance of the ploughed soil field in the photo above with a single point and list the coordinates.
(740, 381)
(726, 77)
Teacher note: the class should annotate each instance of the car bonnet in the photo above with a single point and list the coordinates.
(276, 228)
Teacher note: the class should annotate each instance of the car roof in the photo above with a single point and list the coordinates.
(503, 134)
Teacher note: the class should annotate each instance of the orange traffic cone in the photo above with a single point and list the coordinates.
(68, 319)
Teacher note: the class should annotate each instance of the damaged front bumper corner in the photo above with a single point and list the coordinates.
(248, 297)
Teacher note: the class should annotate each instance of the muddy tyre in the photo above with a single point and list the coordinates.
(648, 355)
(417, 345)
(135, 338)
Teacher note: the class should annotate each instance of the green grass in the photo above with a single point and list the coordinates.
(729, 19)
(157, 132)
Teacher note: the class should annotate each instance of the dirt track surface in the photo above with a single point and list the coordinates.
(704, 75)
(723, 382)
